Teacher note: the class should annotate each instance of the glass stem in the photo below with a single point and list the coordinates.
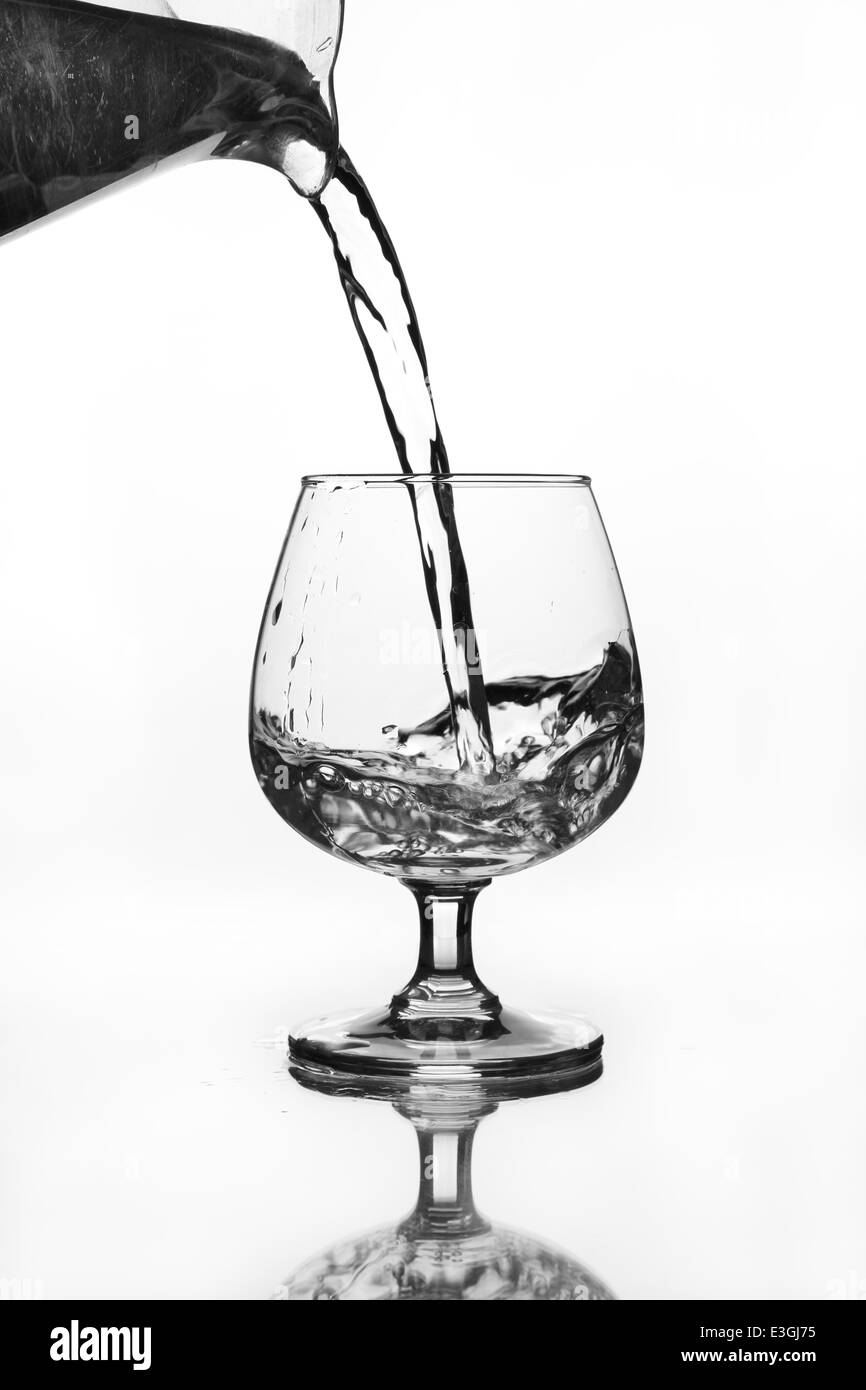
(445, 984)
(445, 1204)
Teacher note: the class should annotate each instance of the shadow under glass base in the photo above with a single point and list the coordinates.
(445, 1031)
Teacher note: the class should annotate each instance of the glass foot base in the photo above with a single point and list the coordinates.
(492, 1264)
(509, 1055)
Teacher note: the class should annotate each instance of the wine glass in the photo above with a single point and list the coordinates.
(445, 1250)
(446, 690)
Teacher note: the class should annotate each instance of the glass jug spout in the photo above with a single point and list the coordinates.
(308, 29)
(90, 94)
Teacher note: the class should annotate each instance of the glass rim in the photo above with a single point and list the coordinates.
(450, 479)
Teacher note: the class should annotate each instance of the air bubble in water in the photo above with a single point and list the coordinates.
(596, 771)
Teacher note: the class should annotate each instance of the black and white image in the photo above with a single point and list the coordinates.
(432, 435)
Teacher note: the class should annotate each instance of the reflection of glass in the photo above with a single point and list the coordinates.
(529, 743)
(444, 1250)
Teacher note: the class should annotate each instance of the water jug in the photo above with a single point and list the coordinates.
(90, 94)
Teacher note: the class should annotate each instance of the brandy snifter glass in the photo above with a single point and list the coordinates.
(446, 690)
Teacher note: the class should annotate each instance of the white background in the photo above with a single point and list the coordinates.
(634, 234)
